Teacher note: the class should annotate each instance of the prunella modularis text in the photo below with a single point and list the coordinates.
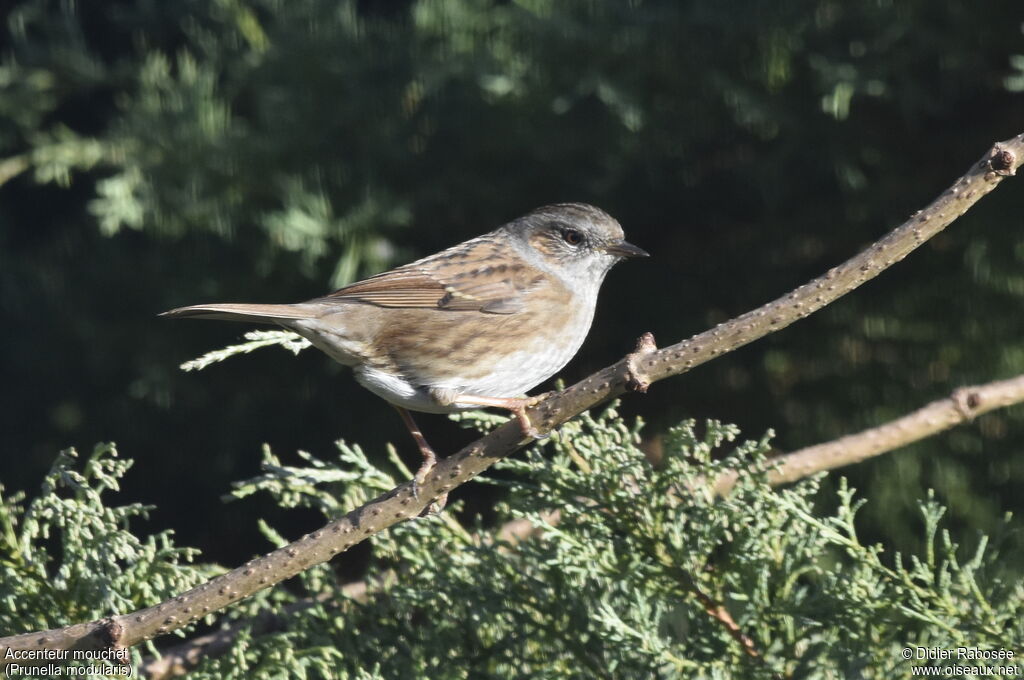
(478, 324)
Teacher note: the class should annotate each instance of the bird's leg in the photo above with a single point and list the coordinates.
(516, 405)
(429, 457)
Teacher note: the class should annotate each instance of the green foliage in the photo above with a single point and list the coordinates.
(254, 340)
(625, 572)
(623, 580)
(67, 557)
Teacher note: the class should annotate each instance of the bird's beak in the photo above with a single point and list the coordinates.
(623, 249)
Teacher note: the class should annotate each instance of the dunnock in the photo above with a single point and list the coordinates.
(476, 325)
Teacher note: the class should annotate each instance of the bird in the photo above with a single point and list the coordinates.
(476, 325)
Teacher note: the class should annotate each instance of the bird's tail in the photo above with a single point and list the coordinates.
(230, 311)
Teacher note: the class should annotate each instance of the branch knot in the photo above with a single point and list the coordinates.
(635, 379)
(1000, 162)
(967, 402)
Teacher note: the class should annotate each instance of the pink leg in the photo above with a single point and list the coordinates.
(429, 457)
(516, 405)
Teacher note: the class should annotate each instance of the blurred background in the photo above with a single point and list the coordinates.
(158, 154)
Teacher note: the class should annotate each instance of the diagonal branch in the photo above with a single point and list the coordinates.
(963, 405)
(182, 658)
(641, 368)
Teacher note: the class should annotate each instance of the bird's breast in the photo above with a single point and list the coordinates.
(499, 355)
(402, 354)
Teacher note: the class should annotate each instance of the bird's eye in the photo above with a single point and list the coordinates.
(572, 237)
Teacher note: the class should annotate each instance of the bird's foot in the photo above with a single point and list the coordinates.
(519, 411)
(429, 463)
(523, 418)
(517, 405)
(437, 505)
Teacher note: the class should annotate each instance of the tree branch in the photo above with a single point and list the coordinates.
(636, 371)
(182, 658)
(963, 405)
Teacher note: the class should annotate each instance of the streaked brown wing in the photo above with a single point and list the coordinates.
(483, 274)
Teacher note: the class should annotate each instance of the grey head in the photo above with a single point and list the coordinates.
(576, 242)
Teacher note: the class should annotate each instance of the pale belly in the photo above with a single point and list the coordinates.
(511, 375)
(407, 380)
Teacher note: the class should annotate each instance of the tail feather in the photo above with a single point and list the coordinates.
(230, 311)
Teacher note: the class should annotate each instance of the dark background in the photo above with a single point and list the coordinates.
(156, 154)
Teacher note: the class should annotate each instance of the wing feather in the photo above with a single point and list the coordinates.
(484, 275)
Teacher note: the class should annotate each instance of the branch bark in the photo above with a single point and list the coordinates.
(963, 405)
(636, 371)
(182, 658)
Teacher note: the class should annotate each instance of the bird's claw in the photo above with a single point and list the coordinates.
(435, 506)
(419, 479)
(525, 425)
